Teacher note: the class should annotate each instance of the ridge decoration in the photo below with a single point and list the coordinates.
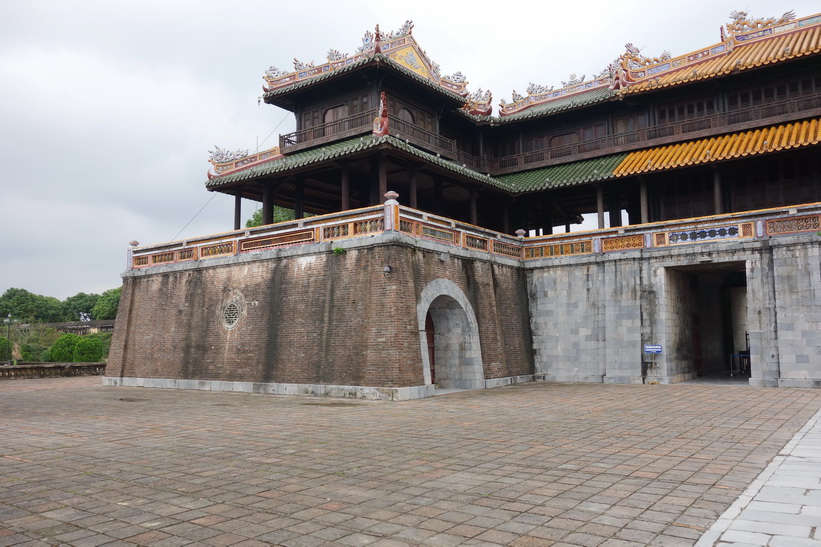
(398, 45)
(631, 67)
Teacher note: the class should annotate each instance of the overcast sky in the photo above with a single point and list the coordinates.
(108, 108)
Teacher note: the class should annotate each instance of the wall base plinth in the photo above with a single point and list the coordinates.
(795, 382)
(623, 380)
(308, 390)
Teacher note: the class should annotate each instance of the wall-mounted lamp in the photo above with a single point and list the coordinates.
(387, 269)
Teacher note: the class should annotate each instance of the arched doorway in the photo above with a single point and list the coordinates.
(454, 359)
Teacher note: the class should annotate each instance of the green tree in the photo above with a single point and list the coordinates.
(79, 306)
(88, 350)
(62, 351)
(4, 349)
(281, 214)
(27, 307)
(107, 304)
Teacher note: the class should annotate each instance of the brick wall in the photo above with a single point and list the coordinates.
(312, 318)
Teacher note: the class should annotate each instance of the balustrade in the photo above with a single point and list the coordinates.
(419, 224)
(50, 370)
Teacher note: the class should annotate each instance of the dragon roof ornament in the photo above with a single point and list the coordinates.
(224, 162)
(742, 23)
(398, 45)
(221, 155)
(479, 103)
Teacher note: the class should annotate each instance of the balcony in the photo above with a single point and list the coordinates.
(659, 135)
(327, 132)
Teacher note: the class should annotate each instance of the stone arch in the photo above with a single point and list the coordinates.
(456, 342)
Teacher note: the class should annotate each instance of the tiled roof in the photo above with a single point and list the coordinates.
(773, 49)
(342, 149)
(701, 151)
(560, 176)
(735, 145)
(376, 58)
(575, 100)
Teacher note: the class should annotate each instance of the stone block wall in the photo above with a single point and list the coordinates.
(592, 314)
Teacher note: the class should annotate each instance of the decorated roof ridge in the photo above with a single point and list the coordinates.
(632, 67)
(399, 46)
(225, 161)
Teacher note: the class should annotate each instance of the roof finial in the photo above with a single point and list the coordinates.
(377, 41)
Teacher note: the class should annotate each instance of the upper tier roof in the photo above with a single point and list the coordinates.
(397, 49)
(746, 43)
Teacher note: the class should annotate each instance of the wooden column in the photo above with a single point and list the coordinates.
(506, 217)
(383, 177)
(344, 190)
(474, 217)
(600, 205)
(547, 216)
(614, 209)
(645, 210)
(718, 201)
(299, 207)
(268, 204)
(412, 199)
(238, 210)
(437, 195)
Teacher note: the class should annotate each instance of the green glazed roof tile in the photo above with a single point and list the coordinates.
(564, 175)
(565, 103)
(557, 176)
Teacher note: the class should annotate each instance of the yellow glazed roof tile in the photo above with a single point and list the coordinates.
(759, 141)
(741, 56)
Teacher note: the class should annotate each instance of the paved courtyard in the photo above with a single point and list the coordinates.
(536, 464)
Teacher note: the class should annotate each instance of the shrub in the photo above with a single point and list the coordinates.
(88, 350)
(33, 352)
(105, 340)
(62, 351)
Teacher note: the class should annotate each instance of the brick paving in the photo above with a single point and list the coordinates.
(536, 464)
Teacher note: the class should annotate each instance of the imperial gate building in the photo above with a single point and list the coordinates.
(434, 242)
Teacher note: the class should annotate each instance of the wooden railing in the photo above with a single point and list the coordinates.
(392, 217)
(346, 127)
(421, 137)
(724, 122)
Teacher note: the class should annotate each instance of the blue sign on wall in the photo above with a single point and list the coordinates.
(652, 348)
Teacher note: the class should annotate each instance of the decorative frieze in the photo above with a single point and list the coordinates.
(703, 234)
(292, 238)
(560, 249)
(794, 225)
(622, 243)
(436, 233)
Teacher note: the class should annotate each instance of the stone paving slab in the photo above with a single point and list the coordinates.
(531, 464)
(782, 507)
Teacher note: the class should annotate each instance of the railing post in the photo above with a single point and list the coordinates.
(391, 211)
